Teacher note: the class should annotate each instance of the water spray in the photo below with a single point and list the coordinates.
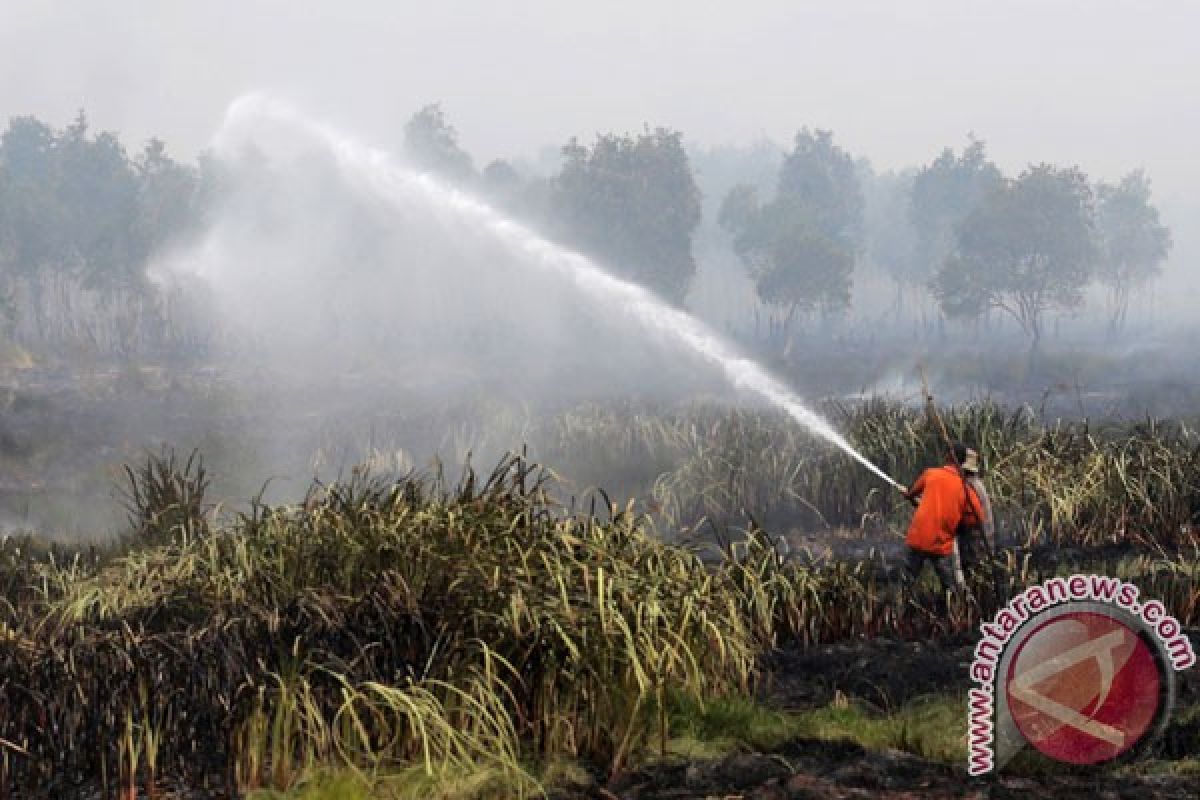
(393, 183)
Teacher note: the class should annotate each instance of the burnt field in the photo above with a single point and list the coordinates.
(725, 623)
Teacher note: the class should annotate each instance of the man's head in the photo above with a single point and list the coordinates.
(957, 454)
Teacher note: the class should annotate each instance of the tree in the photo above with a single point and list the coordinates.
(1026, 249)
(167, 196)
(501, 183)
(818, 181)
(804, 270)
(723, 168)
(1133, 243)
(800, 248)
(632, 202)
(431, 143)
(943, 194)
(30, 226)
(740, 209)
(78, 216)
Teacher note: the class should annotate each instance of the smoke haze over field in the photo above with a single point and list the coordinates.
(356, 299)
(338, 310)
(327, 263)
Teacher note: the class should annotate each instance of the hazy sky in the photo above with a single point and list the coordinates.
(1109, 85)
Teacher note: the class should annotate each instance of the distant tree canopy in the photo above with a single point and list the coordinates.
(800, 247)
(1027, 248)
(805, 270)
(75, 204)
(431, 143)
(79, 214)
(500, 177)
(1133, 243)
(943, 194)
(818, 182)
(632, 202)
(77, 211)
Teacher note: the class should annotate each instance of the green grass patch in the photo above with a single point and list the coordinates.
(345, 786)
(933, 728)
(717, 726)
(413, 783)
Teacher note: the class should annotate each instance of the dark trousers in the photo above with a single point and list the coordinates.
(972, 550)
(943, 567)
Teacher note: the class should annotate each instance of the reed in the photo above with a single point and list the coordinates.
(478, 626)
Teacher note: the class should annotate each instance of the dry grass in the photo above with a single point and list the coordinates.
(383, 623)
(460, 632)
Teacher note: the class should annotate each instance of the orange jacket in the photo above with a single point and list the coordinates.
(946, 502)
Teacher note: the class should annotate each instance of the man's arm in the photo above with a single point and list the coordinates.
(916, 490)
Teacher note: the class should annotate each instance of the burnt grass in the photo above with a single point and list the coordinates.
(879, 674)
(882, 674)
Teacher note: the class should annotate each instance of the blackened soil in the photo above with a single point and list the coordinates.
(805, 769)
(881, 673)
(884, 674)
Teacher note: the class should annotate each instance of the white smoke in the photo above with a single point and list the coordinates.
(330, 252)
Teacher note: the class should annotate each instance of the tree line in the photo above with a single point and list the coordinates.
(976, 239)
(958, 228)
(80, 220)
(78, 212)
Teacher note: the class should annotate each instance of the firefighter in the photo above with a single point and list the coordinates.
(945, 503)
